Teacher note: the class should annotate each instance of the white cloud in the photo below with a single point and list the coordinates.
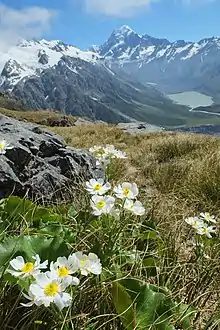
(29, 22)
(117, 7)
(121, 8)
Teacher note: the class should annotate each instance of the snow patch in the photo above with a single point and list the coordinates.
(193, 51)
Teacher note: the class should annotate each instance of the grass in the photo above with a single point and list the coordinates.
(41, 117)
(179, 176)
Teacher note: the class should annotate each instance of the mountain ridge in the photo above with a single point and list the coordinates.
(177, 66)
(107, 82)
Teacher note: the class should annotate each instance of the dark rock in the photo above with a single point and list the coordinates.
(39, 165)
(139, 128)
(43, 59)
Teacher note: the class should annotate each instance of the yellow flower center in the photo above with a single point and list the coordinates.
(100, 205)
(98, 187)
(126, 191)
(82, 261)
(63, 271)
(51, 289)
(2, 145)
(204, 230)
(28, 267)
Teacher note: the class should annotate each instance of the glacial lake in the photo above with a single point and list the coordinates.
(191, 99)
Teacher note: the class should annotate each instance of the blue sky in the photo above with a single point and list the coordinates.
(87, 22)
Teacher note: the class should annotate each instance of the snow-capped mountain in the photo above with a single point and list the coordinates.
(172, 66)
(30, 58)
(52, 75)
(115, 81)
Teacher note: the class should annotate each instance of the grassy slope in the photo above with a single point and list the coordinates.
(179, 176)
(180, 166)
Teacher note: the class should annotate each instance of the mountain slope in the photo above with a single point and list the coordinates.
(173, 66)
(52, 75)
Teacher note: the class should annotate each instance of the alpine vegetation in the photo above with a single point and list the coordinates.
(45, 288)
(116, 257)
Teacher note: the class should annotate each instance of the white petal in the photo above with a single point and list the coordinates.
(17, 263)
(74, 263)
(93, 182)
(84, 272)
(66, 281)
(75, 281)
(42, 279)
(96, 268)
(97, 212)
(62, 261)
(14, 273)
(58, 301)
(29, 304)
(46, 301)
(93, 257)
(44, 265)
(79, 255)
(37, 258)
(36, 290)
(126, 185)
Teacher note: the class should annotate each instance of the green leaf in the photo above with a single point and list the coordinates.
(72, 213)
(124, 306)
(185, 315)
(149, 234)
(148, 304)
(150, 264)
(133, 286)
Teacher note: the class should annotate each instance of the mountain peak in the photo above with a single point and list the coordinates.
(123, 30)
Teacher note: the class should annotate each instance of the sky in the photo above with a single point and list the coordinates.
(90, 22)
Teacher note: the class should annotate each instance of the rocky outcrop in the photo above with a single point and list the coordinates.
(39, 165)
(139, 128)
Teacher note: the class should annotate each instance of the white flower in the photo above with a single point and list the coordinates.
(89, 264)
(205, 230)
(4, 146)
(64, 268)
(96, 149)
(134, 207)
(207, 217)
(120, 154)
(102, 204)
(49, 289)
(111, 152)
(126, 190)
(102, 161)
(97, 187)
(25, 269)
(195, 222)
(104, 155)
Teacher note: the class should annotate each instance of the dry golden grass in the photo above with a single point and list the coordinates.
(179, 166)
(41, 117)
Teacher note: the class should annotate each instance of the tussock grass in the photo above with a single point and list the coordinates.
(41, 117)
(179, 175)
